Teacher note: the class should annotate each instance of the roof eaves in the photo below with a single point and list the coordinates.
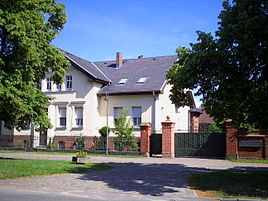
(129, 93)
(163, 86)
(81, 67)
(101, 72)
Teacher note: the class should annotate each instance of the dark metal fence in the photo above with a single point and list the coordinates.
(92, 144)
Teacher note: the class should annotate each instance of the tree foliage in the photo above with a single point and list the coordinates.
(124, 128)
(26, 29)
(230, 70)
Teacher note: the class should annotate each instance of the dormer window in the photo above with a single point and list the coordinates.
(142, 80)
(123, 81)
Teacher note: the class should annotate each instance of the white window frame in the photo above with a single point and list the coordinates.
(78, 119)
(62, 117)
(136, 119)
(48, 84)
(69, 82)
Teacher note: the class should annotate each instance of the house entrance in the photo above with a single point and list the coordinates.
(200, 144)
(155, 144)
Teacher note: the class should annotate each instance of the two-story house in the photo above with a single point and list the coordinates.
(94, 93)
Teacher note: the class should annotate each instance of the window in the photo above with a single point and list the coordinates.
(136, 116)
(78, 116)
(61, 145)
(49, 83)
(69, 82)
(123, 81)
(142, 80)
(117, 112)
(59, 87)
(62, 117)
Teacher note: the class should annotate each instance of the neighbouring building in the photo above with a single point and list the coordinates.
(96, 92)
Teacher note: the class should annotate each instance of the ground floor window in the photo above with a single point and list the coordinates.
(117, 112)
(136, 116)
(78, 116)
(61, 145)
(62, 116)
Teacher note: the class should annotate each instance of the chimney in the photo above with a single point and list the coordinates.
(119, 59)
(140, 57)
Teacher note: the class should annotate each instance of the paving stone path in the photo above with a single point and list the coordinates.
(131, 179)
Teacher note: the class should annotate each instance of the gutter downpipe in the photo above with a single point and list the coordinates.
(107, 129)
(153, 113)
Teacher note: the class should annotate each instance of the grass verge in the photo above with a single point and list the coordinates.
(10, 151)
(68, 153)
(233, 184)
(248, 161)
(13, 168)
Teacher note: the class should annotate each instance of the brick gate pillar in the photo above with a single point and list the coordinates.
(145, 138)
(266, 146)
(231, 140)
(168, 144)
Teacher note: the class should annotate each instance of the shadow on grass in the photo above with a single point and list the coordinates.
(234, 183)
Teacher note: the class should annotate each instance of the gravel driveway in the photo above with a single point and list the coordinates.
(131, 179)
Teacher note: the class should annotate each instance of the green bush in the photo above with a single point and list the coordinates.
(125, 140)
(103, 131)
(52, 144)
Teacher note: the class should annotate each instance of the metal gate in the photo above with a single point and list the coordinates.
(200, 144)
(155, 144)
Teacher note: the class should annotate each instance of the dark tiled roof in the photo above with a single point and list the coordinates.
(205, 118)
(87, 67)
(153, 68)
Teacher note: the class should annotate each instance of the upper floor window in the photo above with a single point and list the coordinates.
(62, 117)
(142, 80)
(49, 84)
(136, 116)
(69, 82)
(117, 112)
(123, 81)
(78, 116)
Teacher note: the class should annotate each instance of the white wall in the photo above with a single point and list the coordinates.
(165, 107)
(127, 102)
(84, 94)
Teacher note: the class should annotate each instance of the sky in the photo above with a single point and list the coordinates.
(97, 29)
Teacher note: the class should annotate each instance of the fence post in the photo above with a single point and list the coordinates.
(168, 144)
(231, 140)
(145, 138)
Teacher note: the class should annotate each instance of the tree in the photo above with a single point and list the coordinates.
(124, 130)
(26, 29)
(230, 70)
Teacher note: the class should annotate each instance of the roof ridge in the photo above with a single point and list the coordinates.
(137, 58)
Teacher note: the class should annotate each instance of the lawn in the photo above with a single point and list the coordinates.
(248, 161)
(13, 168)
(233, 184)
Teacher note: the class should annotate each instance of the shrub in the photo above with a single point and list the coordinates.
(103, 131)
(125, 140)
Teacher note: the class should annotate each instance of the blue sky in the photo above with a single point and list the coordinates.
(97, 29)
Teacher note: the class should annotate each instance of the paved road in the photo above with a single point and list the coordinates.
(131, 179)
